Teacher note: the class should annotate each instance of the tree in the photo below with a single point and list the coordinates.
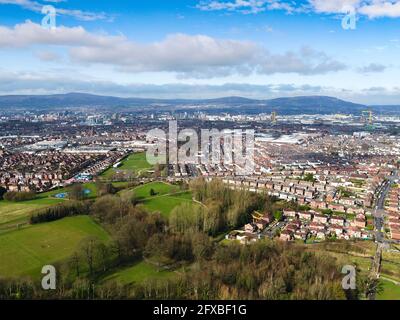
(373, 286)
(186, 217)
(278, 215)
(75, 263)
(105, 188)
(104, 256)
(129, 197)
(152, 192)
(309, 177)
(60, 211)
(327, 212)
(19, 196)
(77, 192)
(88, 249)
(108, 209)
(2, 192)
(133, 231)
(202, 246)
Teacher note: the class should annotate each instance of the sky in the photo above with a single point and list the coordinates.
(202, 48)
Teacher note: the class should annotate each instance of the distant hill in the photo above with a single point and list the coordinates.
(292, 105)
(315, 104)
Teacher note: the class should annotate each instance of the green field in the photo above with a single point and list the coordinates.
(141, 271)
(12, 213)
(166, 199)
(391, 291)
(391, 264)
(161, 188)
(135, 163)
(165, 204)
(18, 212)
(26, 251)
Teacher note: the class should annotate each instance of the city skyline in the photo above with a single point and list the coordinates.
(202, 49)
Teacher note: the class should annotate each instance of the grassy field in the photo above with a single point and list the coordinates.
(165, 204)
(391, 291)
(391, 265)
(139, 272)
(160, 188)
(18, 212)
(134, 163)
(166, 199)
(12, 213)
(26, 251)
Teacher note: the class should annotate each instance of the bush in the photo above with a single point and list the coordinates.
(60, 211)
(19, 196)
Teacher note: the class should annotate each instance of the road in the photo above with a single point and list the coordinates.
(379, 221)
(270, 231)
(379, 212)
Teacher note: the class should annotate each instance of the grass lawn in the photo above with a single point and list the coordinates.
(26, 251)
(391, 291)
(391, 270)
(17, 212)
(12, 213)
(121, 184)
(161, 188)
(135, 163)
(391, 265)
(166, 199)
(139, 272)
(165, 204)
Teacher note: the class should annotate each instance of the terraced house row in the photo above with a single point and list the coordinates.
(393, 213)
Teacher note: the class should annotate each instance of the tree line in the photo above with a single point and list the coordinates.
(60, 211)
(19, 196)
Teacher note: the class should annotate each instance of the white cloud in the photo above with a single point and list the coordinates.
(333, 6)
(29, 33)
(190, 56)
(37, 7)
(245, 6)
(370, 8)
(379, 9)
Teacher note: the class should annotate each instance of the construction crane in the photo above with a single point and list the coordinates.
(367, 116)
(273, 117)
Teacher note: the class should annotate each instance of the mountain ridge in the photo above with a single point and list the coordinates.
(297, 104)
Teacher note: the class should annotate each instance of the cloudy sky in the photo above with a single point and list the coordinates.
(203, 48)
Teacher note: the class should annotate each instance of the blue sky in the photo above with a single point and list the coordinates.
(203, 49)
